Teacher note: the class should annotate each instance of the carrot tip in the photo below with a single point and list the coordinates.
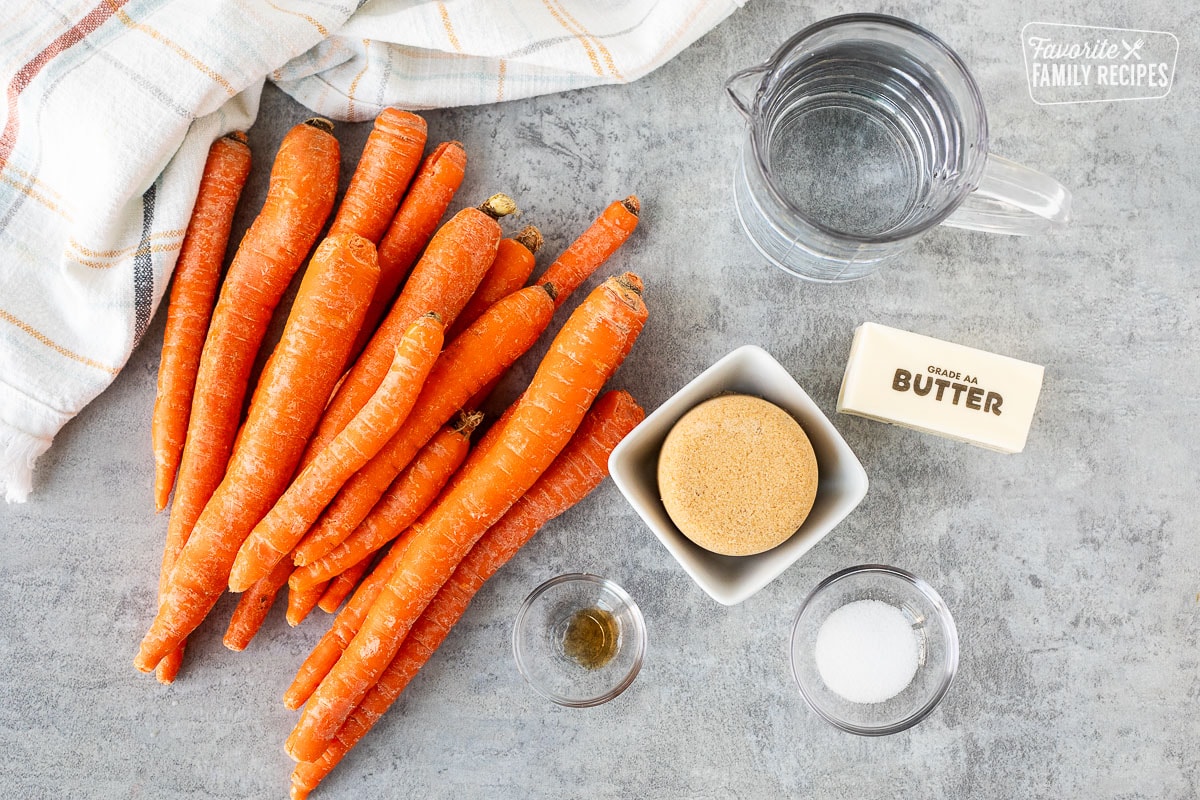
(499, 205)
(531, 238)
(630, 282)
(295, 616)
(320, 123)
(238, 136)
(632, 204)
(297, 792)
(466, 422)
(550, 290)
(401, 115)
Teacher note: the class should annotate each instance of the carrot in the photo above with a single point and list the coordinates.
(278, 532)
(343, 585)
(577, 470)
(253, 607)
(509, 272)
(298, 378)
(483, 351)
(408, 496)
(581, 358)
(302, 602)
(197, 276)
(573, 474)
(577, 263)
(479, 451)
(345, 626)
(443, 280)
(437, 179)
(493, 433)
(167, 670)
(593, 247)
(388, 161)
(300, 195)
(431, 460)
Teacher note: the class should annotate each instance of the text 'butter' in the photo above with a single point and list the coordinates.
(941, 388)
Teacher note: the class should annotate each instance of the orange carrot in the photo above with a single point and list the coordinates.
(493, 433)
(298, 378)
(483, 351)
(193, 292)
(593, 247)
(197, 275)
(512, 267)
(345, 626)
(388, 161)
(443, 280)
(440, 175)
(300, 195)
(577, 470)
(577, 263)
(581, 358)
(408, 496)
(253, 607)
(167, 670)
(302, 602)
(343, 585)
(278, 532)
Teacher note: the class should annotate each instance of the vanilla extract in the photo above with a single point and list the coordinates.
(592, 637)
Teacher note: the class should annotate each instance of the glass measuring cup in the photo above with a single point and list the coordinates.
(863, 133)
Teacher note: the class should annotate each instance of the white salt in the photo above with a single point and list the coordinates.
(867, 651)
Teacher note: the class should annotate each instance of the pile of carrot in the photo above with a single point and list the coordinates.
(350, 477)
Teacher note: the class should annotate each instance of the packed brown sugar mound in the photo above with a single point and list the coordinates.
(737, 475)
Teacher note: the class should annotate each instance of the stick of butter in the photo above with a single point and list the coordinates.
(940, 388)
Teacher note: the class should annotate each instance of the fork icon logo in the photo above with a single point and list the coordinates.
(1132, 49)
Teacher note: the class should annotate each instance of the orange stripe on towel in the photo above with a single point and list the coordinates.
(48, 342)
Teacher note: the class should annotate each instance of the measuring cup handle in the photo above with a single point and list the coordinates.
(1013, 199)
(732, 85)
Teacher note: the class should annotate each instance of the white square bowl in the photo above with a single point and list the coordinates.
(841, 479)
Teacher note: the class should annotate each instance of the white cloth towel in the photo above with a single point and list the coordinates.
(112, 105)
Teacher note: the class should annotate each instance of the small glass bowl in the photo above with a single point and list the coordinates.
(937, 651)
(540, 629)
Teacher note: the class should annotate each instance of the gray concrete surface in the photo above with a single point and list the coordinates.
(1071, 568)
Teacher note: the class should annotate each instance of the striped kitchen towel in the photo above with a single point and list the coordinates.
(112, 105)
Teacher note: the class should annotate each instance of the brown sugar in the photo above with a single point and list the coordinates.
(737, 475)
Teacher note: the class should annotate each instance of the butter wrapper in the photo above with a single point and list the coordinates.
(939, 387)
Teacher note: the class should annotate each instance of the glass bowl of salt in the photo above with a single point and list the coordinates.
(874, 649)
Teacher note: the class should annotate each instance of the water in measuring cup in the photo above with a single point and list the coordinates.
(864, 141)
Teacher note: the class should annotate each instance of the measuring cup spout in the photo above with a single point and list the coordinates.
(744, 81)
